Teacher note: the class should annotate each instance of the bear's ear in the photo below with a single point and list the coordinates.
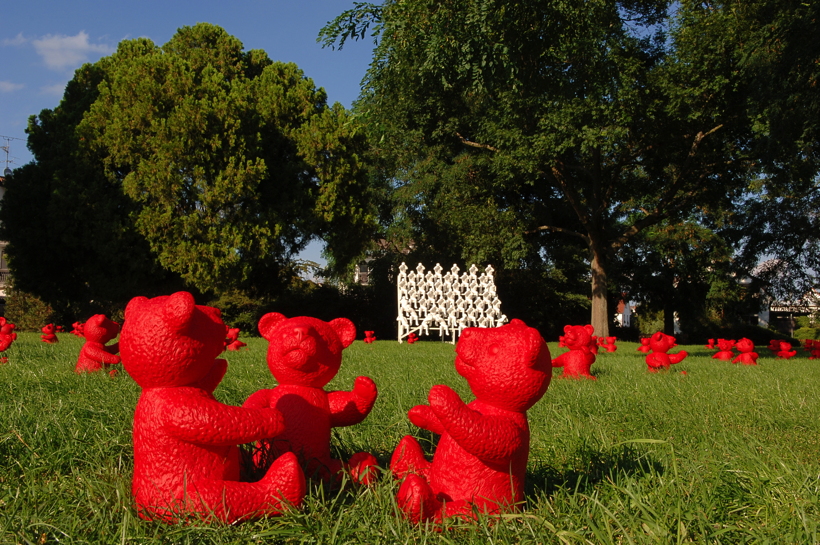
(178, 310)
(567, 328)
(268, 322)
(589, 328)
(345, 330)
(133, 304)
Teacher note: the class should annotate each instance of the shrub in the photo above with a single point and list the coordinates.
(26, 311)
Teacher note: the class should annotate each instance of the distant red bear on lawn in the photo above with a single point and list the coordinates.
(725, 350)
(304, 354)
(186, 458)
(481, 459)
(94, 355)
(747, 354)
(49, 334)
(578, 361)
(658, 359)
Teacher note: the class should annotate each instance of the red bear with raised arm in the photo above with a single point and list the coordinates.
(49, 334)
(481, 459)
(304, 354)
(578, 361)
(658, 359)
(186, 458)
(94, 355)
(725, 350)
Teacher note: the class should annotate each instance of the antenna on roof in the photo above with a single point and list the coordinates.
(6, 147)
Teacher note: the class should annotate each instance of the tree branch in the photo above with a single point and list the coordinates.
(557, 230)
(476, 144)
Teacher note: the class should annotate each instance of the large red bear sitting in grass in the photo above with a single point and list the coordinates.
(481, 459)
(304, 354)
(97, 331)
(186, 458)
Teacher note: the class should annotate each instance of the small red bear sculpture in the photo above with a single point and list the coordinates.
(774, 346)
(785, 351)
(186, 458)
(412, 338)
(49, 334)
(94, 355)
(710, 345)
(7, 337)
(370, 336)
(747, 354)
(77, 329)
(813, 346)
(644, 345)
(578, 361)
(658, 359)
(608, 343)
(725, 352)
(304, 354)
(232, 341)
(481, 459)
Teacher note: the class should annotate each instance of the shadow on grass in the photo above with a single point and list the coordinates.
(590, 467)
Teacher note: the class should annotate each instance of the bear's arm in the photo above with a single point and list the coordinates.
(349, 408)
(96, 352)
(198, 418)
(260, 399)
(112, 348)
(488, 438)
(559, 361)
(424, 417)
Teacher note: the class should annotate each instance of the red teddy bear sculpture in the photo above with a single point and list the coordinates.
(412, 338)
(304, 354)
(578, 361)
(747, 354)
(608, 343)
(725, 350)
(77, 329)
(49, 334)
(7, 337)
(658, 359)
(644, 345)
(369, 337)
(186, 458)
(94, 355)
(481, 459)
(785, 351)
(232, 341)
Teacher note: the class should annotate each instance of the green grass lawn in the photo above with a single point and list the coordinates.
(723, 454)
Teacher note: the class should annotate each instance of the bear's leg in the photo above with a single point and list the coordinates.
(409, 458)
(417, 500)
(363, 467)
(282, 486)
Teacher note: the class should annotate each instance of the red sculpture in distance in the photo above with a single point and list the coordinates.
(370, 336)
(747, 354)
(785, 351)
(813, 346)
(774, 346)
(94, 355)
(49, 334)
(725, 351)
(481, 459)
(608, 343)
(7, 337)
(186, 458)
(578, 361)
(304, 354)
(232, 341)
(658, 359)
(77, 329)
(412, 338)
(644, 345)
(710, 345)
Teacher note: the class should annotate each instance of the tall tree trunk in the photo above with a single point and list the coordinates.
(600, 313)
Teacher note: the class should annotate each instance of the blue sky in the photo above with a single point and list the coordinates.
(43, 42)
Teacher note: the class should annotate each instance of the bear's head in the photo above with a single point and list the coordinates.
(660, 342)
(508, 367)
(578, 337)
(745, 345)
(100, 329)
(725, 344)
(169, 340)
(304, 350)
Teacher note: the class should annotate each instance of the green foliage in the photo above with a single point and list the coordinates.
(724, 454)
(26, 311)
(807, 333)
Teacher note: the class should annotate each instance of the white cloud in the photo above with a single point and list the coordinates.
(17, 40)
(8, 87)
(56, 90)
(68, 52)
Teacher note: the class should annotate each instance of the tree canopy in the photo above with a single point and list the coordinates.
(521, 122)
(196, 158)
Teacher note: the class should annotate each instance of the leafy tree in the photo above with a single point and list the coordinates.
(627, 114)
(234, 161)
(71, 238)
